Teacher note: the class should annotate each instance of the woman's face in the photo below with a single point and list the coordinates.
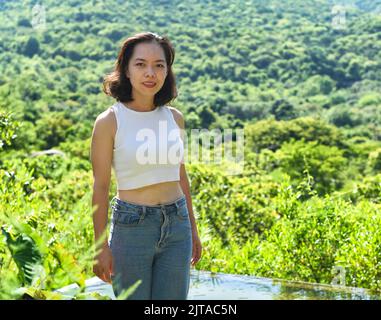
(147, 64)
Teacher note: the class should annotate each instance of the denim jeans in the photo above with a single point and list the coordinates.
(153, 244)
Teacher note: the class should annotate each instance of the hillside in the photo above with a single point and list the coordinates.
(235, 61)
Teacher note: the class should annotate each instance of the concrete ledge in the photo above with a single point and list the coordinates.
(220, 286)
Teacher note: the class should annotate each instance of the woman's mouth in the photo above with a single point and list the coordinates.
(149, 84)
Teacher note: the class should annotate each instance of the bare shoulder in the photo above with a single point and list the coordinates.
(106, 122)
(178, 115)
(102, 143)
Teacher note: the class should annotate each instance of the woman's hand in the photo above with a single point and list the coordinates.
(196, 249)
(103, 266)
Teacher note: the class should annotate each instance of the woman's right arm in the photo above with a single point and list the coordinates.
(101, 158)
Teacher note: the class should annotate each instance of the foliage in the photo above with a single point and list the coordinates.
(271, 134)
(8, 128)
(324, 163)
(312, 240)
(294, 64)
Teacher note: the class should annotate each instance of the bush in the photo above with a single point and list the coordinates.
(31, 47)
(325, 164)
(318, 240)
(231, 205)
(271, 134)
(317, 235)
(41, 249)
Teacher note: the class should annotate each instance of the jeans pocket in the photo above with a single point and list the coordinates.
(127, 217)
(182, 212)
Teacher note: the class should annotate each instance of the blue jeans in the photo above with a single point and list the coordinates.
(153, 244)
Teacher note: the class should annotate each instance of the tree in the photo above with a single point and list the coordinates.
(283, 110)
(31, 47)
(325, 164)
(207, 117)
(52, 129)
(271, 134)
(318, 85)
(342, 116)
(23, 22)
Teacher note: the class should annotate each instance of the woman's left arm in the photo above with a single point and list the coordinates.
(184, 182)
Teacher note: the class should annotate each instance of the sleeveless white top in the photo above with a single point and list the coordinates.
(148, 148)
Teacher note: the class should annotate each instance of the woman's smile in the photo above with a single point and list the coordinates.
(149, 84)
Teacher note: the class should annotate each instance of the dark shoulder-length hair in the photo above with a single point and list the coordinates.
(118, 86)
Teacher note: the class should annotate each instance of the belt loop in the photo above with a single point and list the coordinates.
(181, 199)
(144, 208)
(143, 213)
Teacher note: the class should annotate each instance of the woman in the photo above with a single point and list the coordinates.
(153, 235)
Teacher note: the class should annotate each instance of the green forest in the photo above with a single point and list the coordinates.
(301, 78)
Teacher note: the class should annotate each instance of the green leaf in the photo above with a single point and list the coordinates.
(25, 253)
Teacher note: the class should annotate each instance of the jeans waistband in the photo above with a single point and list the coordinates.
(127, 204)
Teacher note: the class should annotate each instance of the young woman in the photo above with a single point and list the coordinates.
(153, 234)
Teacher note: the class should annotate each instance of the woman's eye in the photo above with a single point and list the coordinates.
(140, 64)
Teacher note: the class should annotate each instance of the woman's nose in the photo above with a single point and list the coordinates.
(150, 71)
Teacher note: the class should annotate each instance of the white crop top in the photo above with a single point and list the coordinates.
(148, 148)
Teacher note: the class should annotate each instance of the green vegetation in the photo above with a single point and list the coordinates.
(306, 94)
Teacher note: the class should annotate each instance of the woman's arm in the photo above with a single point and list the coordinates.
(101, 158)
